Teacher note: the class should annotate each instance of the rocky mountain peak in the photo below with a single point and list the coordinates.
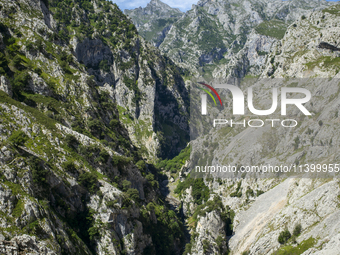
(154, 8)
(155, 20)
(161, 5)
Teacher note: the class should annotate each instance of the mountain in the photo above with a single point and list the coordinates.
(154, 21)
(95, 156)
(266, 215)
(211, 38)
(87, 108)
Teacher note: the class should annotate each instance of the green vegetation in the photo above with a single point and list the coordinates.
(206, 246)
(39, 117)
(259, 192)
(175, 164)
(89, 180)
(273, 28)
(297, 250)
(297, 230)
(88, 110)
(18, 138)
(326, 62)
(71, 141)
(250, 192)
(39, 172)
(200, 192)
(69, 166)
(238, 191)
(334, 10)
(284, 236)
(133, 194)
(167, 230)
(227, 215)
(151, 179)
(126, 185)
(296, 143)
(261, 53)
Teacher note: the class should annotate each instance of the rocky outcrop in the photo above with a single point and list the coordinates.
(310, 203)
(92, 52)
(5, 86)
(24, 244)
(299, 54)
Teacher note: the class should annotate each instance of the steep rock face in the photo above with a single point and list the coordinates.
(215, 31)
(5, 85)
(310, 203)
(210, 229)
(154, 21)
(92, 52)
(251, 60)
(126, 70)
(299, 54)
(85, 103)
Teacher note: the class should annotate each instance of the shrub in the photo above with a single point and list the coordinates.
(17, 61)
(37, 70)
(151, 179)
(133, 194)
(71, 141)
(150, 206)
(120, 161)
(114, 123)
(29, 46)
(111, 204)
(205, 246)
(69, 166)
(20, 81)
(220, 242)
(249, 192)
(238, 191)
(104, 65)
(259, 192)
(200, 191)
(18, 138)
(297, 230)
(141, 166)
(284, 236)
(126, 185)
(104, 156)
(95, 126)
(39, 173)
(89, 180)
(296, 142)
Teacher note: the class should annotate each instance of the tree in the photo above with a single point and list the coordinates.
(133, 194)
(89, 180)
(297, 230)
(126, 185)
(284, 236)
(39, 173)
(71, 141)
(69, 166)
(18, 138)
(17, 61)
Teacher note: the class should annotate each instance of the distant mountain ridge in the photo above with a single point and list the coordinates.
(155, 20)
(207, 38)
